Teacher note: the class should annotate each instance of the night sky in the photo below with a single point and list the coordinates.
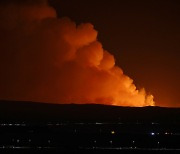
(143, 35)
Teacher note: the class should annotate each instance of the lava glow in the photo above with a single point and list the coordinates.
(49, 59)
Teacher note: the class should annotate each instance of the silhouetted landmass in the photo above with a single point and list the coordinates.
(42, 127)
(34, 112)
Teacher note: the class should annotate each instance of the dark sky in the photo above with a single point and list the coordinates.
(143, 35)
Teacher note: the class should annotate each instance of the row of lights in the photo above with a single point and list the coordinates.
(18, 141)
(16, 124)
(152, 133)
(166, 133)
(133, 142)
(96, 123)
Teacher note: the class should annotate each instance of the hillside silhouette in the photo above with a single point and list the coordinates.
(34, 112)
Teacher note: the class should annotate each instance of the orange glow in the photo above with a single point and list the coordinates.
(55, 60)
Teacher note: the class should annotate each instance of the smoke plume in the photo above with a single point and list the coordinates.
(48, 59)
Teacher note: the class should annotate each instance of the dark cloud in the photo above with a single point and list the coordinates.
(23, 2)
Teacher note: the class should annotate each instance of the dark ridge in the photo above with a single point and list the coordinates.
(35, 112)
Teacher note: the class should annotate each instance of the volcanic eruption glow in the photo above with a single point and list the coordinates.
(49, 59)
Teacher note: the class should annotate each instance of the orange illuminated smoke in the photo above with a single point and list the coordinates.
(48, 59)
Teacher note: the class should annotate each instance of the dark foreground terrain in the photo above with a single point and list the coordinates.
(37, 127)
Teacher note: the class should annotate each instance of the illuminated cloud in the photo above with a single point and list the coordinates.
(49, 59)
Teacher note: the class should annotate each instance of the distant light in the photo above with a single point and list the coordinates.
(95, 141)
(98, 123)
(17, 141)
(110, 142)
(112, 132)
(152, 134)
(166, 133)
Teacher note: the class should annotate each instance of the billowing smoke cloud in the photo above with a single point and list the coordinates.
(47, 59)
